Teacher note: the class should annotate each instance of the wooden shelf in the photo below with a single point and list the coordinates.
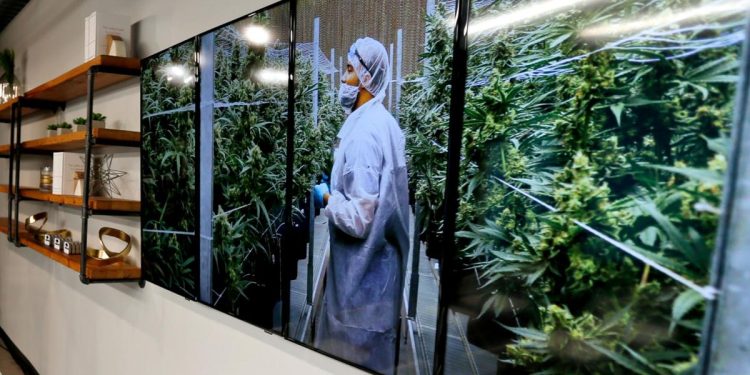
(117, 271)
(53, 94)
(5, 110)
(95, 203)
(77, 140)
(74, 83)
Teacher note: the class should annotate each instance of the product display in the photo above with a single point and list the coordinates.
(45, 179)
(71, 247)
(102, 180)
(30, 225)
(105, 256)
(100, 28)
(65, 166)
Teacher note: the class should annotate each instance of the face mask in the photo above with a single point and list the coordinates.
(348, 97)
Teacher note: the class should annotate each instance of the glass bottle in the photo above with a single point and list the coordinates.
(45, 180)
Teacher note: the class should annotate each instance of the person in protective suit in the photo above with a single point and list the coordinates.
(368, 213)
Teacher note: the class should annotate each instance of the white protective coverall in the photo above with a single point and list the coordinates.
(368, 213)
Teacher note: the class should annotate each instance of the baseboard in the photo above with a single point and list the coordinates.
(20, 359)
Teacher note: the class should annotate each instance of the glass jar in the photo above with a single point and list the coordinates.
(45, 179)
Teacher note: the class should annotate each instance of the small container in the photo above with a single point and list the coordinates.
(45, 179)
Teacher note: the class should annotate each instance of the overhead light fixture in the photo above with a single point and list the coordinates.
(177, 73)
(523, 15)
(257, 35)
(272, 76)
(669, 17)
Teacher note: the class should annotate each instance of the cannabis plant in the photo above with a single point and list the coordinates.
(424, 113)
(250, 156)
(575, 147)
(168, 172)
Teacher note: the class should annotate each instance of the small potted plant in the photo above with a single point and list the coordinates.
(97, 121)
(64, 128)
(51, 130)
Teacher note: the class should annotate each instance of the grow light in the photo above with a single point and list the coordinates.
(524, 14)
(257, 35)
(175, 72)
(272, 76)
(666, 18)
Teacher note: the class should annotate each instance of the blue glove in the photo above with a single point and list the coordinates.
(319, 191)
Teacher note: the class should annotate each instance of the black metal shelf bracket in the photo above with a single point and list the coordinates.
(11, 193)
(87, 171)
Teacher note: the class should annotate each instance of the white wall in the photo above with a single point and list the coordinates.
(65, 327)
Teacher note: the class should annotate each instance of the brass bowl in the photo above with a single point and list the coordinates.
(104, 256)
(38, 233)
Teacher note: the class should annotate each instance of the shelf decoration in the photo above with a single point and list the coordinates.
(97, 122)
(64, 128)
(37, 232)
(104, 256)
(103, 177)
(51, 130)
(45, 179)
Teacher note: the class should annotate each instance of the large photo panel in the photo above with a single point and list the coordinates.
(595, 139)
(243, 142)
(168, 162)
(364, 285)
(214, 122)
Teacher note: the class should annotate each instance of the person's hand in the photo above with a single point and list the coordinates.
(319, 194)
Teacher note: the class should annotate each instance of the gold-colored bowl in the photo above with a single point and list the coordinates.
(38, 233)
(104, 256)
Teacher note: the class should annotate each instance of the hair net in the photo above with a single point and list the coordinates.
(370, 61)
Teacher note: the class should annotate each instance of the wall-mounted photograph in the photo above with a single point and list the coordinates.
(370, 76)
(168, 163)
(596, 140)
(244, 74)
(593, 155)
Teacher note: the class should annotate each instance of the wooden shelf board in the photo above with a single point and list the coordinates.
(74, 83)
(77, 140)
(117, 271)
(6, 107)
(95, 203)
(5, 110)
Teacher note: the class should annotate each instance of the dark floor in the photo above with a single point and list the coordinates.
(8, 366)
